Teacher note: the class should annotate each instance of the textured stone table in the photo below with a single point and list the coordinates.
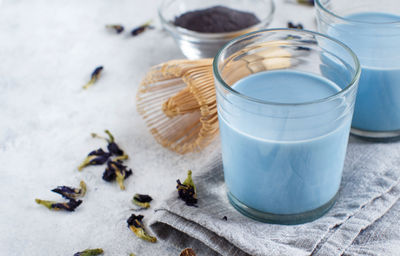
(48, 50)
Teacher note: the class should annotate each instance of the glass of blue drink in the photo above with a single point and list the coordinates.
(371, 29)
(285, 103)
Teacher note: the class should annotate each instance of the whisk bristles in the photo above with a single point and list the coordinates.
(178, 115)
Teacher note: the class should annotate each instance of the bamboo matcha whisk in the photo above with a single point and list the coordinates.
(178, 102)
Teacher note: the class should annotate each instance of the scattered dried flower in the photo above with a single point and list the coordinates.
(112, 147)
(116, 171)
(70, 206)
(122, 174)
(131, 254)
(142, 200)
(109, 174)
(306, 2)
(142, 28)
(303, 2)
(302, 48)
(116, 27)
(135, 223)
(96, 157)
(71, 193)
(187, 252)
(187, 190)
(94, 77)
(90, 252)
(225, 218)
(291, 25)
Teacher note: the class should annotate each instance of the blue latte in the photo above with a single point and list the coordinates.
(284, 165)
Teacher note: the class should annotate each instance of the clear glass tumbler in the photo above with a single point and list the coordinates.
(195, 45)
(285, 102)
(372, 30)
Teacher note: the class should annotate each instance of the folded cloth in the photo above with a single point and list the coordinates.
(381, 238)
(370, 187)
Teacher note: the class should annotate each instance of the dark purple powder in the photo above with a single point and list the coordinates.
(217, 19)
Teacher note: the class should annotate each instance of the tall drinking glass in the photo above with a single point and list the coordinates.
(285, 103)
(372, 30)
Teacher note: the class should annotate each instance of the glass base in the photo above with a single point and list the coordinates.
(389, 136)
(197, 49)
(287, 219)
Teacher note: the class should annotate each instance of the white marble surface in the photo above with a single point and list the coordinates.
(48, 50)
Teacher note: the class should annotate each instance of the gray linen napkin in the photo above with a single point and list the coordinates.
(370, 188)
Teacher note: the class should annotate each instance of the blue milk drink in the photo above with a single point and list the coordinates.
(375, 38)
(284, 165)
(285, 102)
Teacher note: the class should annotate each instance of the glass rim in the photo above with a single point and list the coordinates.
(170, 26)
(322, 7)
(352, 83)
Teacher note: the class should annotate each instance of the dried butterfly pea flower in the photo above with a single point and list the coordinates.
(109, 174)
(90, 252)
(187, 190)
(291, 25)
(187, 194)
(225, 218)
(71, 193)
(303, 2)
(187, 252)
(122, 174)
(135, 224)
(116, 27)
(94, 77)
(116, 171)
(302, 48)
(142, 200)
(112, 147)
(96, 157)
(142, 28)
(306, 2)
(70, 206)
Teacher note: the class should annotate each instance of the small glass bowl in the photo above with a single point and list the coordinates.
(195, 45)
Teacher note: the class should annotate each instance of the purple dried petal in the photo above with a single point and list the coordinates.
(94, 77)
(141, 28)
(71, 193)
(143, 198)
(69, 206)
(292, 25)
(114, 149)
(135, 224)
(116, 170)
(109, 175)
(135, 220)
(96, 157)
(187, 194)
(67, 192)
